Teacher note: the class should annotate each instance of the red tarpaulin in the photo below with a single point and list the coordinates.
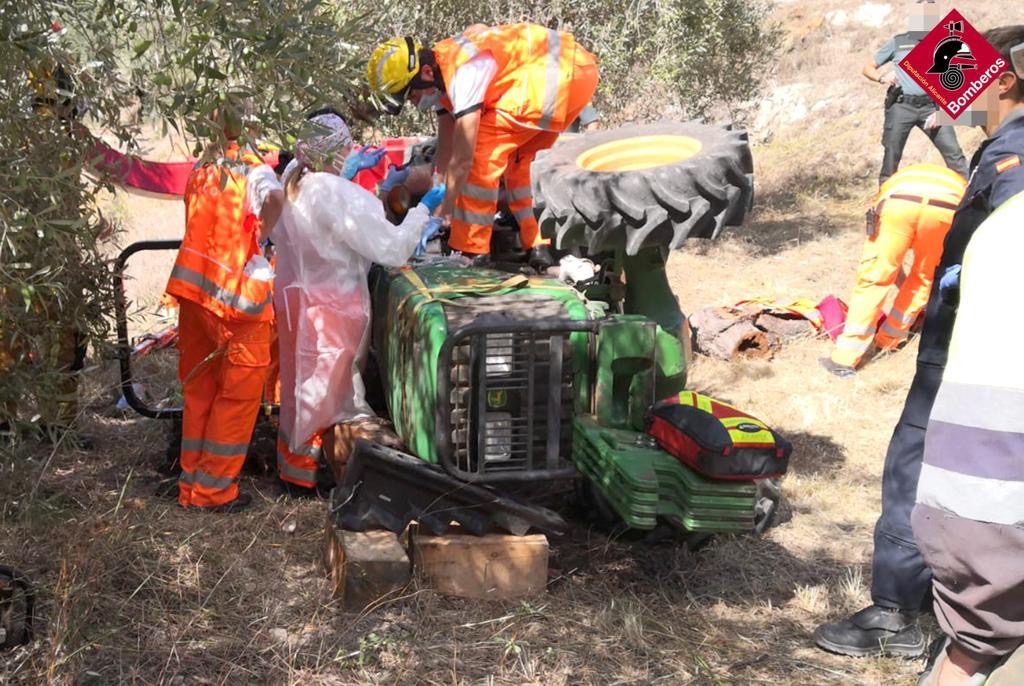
(169, 177)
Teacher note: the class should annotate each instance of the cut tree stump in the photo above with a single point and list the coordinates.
(783, 326)
(340, 439)
(365, 566)
(495, 566)
(726, 334)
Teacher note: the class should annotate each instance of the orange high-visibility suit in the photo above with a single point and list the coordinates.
(914, 210)
(544, 79)
(225, 324)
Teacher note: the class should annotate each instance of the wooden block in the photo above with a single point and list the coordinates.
(340, 439)
(364, 566)
(494, 566)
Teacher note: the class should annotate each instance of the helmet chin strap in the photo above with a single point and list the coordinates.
(410, 46)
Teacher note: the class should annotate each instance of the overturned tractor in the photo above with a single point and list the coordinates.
(518, 381)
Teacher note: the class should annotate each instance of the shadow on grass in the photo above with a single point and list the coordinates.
(814, 454)
(808, 205)
(135, 589)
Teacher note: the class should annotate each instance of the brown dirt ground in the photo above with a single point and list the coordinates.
(134, 590)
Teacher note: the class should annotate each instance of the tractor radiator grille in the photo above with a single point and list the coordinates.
(510, 401)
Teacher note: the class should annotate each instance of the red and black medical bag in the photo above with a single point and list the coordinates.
(716, 439)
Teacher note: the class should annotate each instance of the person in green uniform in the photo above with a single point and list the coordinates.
(906, 104)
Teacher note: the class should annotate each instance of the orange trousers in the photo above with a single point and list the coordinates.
(505, 149)
(223, 370)
(903, 226)
(299, 467)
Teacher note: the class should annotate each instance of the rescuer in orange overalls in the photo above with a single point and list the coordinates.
(224, 288)
(912, 212)
(502, 94)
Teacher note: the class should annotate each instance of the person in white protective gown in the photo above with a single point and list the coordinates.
(330, 232)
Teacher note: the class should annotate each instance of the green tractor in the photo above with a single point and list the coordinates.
(517, 381)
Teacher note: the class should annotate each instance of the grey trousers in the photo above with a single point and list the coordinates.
(978, 580)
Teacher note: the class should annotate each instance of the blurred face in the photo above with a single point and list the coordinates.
(338, 163)
(426, 95)
(924, 16)
(991, 107)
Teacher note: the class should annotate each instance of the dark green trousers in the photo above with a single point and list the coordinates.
(900, 119)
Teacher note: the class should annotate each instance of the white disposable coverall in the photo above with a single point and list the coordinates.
(325, 242)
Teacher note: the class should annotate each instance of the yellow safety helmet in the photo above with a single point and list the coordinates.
(391, 70)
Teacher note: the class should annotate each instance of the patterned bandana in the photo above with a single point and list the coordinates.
(323, 139)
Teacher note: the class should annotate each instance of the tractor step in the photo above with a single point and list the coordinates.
(642, 483)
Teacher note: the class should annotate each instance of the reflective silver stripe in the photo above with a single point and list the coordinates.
(520, 193)
(472, 217)
(466, 45)
(893, 331)
(974, 497)
(203, 479)
(192, 444)
(525, 213)
(551, 79)
(225, 449)
(984, 407)
(206, 257)
(480, 192)
(857, 330)
(384, 87)
(235, 300)
(851, 344)
(285, 469)
(313, 451)
(214, 448)
(900, 316)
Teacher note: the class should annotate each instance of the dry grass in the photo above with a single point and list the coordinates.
(134, 590)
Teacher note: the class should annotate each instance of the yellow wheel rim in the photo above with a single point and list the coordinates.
(642, 152)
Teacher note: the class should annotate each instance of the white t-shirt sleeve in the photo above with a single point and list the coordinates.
(469, 85)
(259, 183)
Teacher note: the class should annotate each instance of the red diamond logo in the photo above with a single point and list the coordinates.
(954, 64)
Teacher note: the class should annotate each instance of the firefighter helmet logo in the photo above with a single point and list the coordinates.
(952, 57)
(953, 64)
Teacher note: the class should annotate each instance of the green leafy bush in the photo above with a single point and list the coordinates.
(75, 70)
(124, 62)
(699, 56)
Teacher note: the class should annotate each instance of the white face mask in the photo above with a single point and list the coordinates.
(429, 101)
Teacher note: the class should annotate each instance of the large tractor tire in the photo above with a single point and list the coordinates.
(643, 186)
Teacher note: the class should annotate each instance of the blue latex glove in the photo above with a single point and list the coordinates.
(950, 278)
(358, 160)
(429, 233)
(434, 197)
(395, 177)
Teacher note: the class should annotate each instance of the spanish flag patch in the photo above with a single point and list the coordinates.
(1008, 163)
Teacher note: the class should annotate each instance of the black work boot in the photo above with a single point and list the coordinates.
(540, 258)
(239, 504)
(471, 259)
(840, 370)
(873, 631)
(303, 492)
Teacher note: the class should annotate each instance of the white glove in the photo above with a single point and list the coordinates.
(259, 269)
(573, 270)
